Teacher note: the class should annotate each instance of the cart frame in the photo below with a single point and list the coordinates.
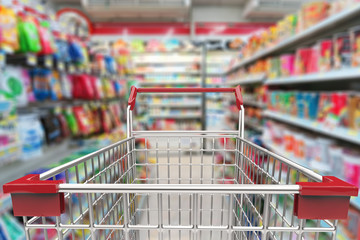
(255, 205)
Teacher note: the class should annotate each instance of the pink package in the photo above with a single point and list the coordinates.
(313, 64)
(352, 167)
(287, 65)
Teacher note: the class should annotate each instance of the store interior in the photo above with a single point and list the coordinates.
(67, 67)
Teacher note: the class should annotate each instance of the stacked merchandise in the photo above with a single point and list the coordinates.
(327, 109)
(310, 14)
(310, 48)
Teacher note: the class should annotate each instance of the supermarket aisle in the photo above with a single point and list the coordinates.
(178, 207)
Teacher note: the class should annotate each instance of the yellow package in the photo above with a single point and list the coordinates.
(8, 30)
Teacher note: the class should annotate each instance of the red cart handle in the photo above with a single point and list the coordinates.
(134, 91)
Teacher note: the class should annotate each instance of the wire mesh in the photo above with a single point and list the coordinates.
(179, 160)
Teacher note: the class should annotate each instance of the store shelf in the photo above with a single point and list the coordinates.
(194, 116)
(166, 73)
(5, 203)
(254, 104)
(168, 83)
(337, 132)
(278, 150)
(255, 126)
(173, 105)
(313, 33)
(52, 154)
(177, 94)
(355, 202)
(259, 78)
(335, 75)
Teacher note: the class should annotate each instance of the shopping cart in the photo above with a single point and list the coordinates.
(171, 185)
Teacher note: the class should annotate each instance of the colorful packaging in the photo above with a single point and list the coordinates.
(82, 87)
(355, 46)
(314, 12)
(8, 30)
(71, 121)
(311, 105)
(46, 39)
(339, 112)
(352, 167)
(82, 120)
(342, 50)
(13, 85)
(55, 86)
(41, 82)
(326, 55)
(28, 35)
(300, 104)
(325, 106)
(287, 65)
(354, 112)
(31, 134)
(52, 128)
(302, 59)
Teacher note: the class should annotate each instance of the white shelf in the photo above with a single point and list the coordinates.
(313, 33)
(166, 73)
(279, 150)
(176, 94)
(337, 132)
(17, 169)
(334, 75)
(254, 104)
(195, 116)
(173, 105)
(254, 126)
(259, 78)
(169, 83)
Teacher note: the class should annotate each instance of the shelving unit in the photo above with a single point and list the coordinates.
(312, 34)
(334, 75)
(337, 132)
(255, 79)
(52, 154)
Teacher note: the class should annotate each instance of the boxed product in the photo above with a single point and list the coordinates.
(31, 135)
(352, 167)
(354, 112)
(325, 48)
(311, 105)
(355, 46)
(342, 50)
(314, 12)
(287, 65)
(325, 106)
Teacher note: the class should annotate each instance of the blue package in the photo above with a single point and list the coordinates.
(75, 52)
(110, 64)
(300, 104)
(62, 53)
(41, 83)
(311, 106)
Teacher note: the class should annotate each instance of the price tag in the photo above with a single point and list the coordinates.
(61, 66)
(315, 124)
(40, 8)
(48, 61)
(71, 69)
(352, 132)
(81, 69)
(31, 59)
(2, 59)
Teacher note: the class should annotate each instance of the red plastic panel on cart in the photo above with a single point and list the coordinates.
(32, 197)
(44, 205)
(328, 199)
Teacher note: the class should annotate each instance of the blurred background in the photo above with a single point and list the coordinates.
(66, 68)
